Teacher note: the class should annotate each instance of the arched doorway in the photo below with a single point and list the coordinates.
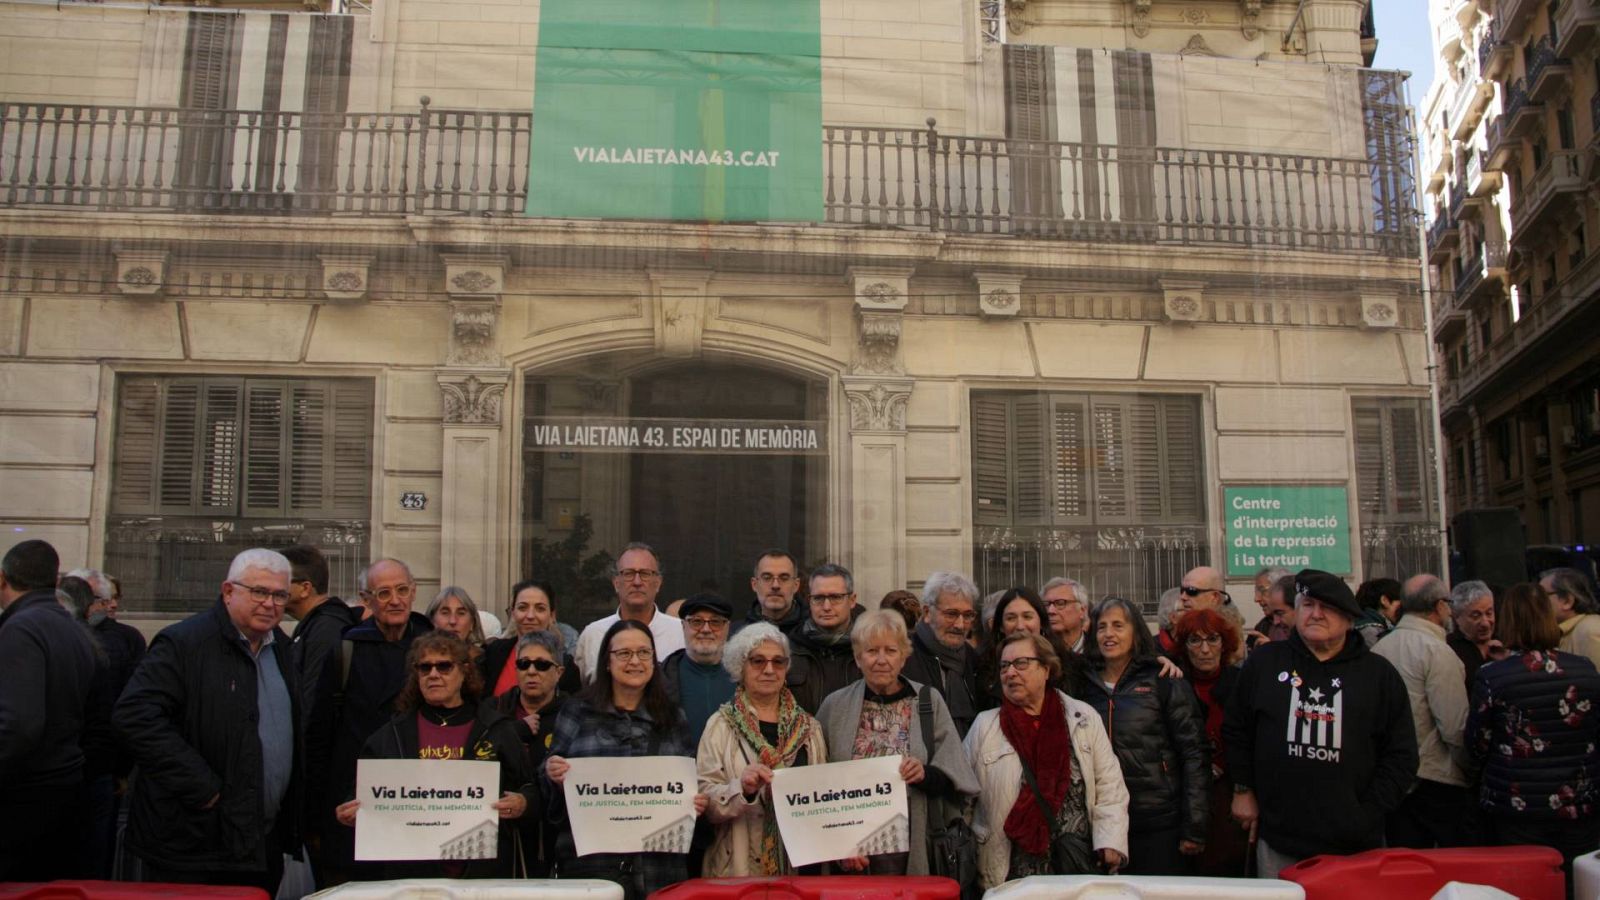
(710, 462)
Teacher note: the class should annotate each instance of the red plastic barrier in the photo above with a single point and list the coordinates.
(125, 890)
(832, 887)
(1532, 873)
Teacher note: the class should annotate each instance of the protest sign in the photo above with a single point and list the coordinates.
(413, 809)
(836, 810)
(631, 804)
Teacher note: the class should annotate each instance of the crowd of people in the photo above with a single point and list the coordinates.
(1038, 732)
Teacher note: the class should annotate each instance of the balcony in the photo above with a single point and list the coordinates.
(1443, 235)
(1126, 561)
(1577, 23)
(1548, 72)
(1494, 56)
(1481, 183)
(1511, 15)
(475, 162)
(1472, 98)
(1518, 117)
(1448, 35)
(1548, 195)
(1439, 159)
(1482, 276)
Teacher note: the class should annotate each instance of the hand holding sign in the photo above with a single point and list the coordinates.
(849, 810)
(630, 804)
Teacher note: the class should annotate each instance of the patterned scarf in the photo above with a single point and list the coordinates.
(794, 731)
(1046, 746)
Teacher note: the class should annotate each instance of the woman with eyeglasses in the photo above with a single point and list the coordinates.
(1048, 778)
(1207, 645)
(1156, 733)
(624, 712)
(534, 704)
(439, 718)
(880, 715)
(532, 609)
(760, 730)
(452, 611)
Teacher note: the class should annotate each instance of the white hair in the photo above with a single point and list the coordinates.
(1080, 594)
(1467, 593)
(941, 583)
(98, 581)
(1169, 602)
(259, 558)
(738, 647)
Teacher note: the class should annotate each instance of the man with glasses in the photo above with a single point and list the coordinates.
(359, 685)
(775, 582)
(209, 717)
(1574, 604)
(1067, 603)
(941, 655)
(636, 577)
(821, 658)
(1201, 589)
(694, 675)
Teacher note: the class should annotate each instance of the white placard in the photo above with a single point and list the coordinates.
(631, 804)
(838, 810)
(415, 809)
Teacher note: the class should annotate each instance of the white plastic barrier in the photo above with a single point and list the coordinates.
(1143, 887)
(1586, 876)
(485, 889)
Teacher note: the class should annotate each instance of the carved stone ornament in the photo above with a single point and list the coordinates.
(472, 336)
(1141, 17)
(1000, 301)
(346, 281)
(141, 273)
(1182, 301)
(345, 276)
(472, 401)
(1196, 47)
(1194, 15)
(139, 276)
(1249, 13)
(880, 293)
(880, 344)
(1379, 312)
(472, 281)
(880, 407)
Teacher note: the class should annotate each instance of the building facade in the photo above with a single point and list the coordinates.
(271, 277)
(1511, 148)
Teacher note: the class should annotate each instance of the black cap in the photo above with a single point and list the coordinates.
(1329, 588)
(711, 603)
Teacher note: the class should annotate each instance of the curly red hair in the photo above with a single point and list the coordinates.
(1203, 622)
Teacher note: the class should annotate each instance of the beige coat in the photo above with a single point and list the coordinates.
(722, 758)
(1000, 779)
(1437, 684)
(1581, 635)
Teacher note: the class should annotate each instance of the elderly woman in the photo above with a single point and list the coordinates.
(1157, 737)
(1045, 770)
(532, 608)
(879, 716)
(624, 712)
(453, 612)
(534, 704)
(1533, 728)
(439, 718)
(1207, 645)
(761, 729)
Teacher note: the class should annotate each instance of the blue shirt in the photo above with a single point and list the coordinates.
(274, 728)
(702, 689)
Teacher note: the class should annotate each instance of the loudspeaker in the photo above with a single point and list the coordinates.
(1492, 543)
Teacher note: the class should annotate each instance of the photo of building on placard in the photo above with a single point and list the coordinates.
(893, 837)
(673, 838)
(481, 841)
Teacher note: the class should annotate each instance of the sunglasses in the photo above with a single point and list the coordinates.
(443, 668)
(1195, 592)
(542, 665)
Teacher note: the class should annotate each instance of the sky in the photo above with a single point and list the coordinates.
(1404, 43)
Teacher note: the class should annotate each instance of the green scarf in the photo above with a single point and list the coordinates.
(794, 732)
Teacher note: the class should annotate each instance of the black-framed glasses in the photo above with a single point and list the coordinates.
(779, 577)
(641, 574)
(705, 623)
(1021, 663)
(443, 667)
(1201, 640)
(1195, 592)
(261, 594)
(642, 653)
(829, 598)
(761, 662)
(524, 663)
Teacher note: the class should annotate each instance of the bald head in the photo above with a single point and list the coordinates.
(1201, 589)
(1422, 595)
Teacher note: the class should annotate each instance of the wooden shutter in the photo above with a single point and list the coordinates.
(137, 442)
(1409, 461)
(991, 459)
(180, 436)
(1031, 471)
(1069, 424)
(351, 470)
(264, 451)
(1370, 481)
(310, 445)
(1181, 462)
(1147, 481)
(218, 472)
(208, 78)
(1109, 433)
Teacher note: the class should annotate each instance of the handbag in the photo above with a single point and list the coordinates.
(952, 845)
(1069, 854)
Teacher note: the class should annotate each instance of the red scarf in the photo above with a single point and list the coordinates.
(1045, 745)
(1204, 686)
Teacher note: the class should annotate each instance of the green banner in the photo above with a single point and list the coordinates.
(700, 110)
(1290, 527)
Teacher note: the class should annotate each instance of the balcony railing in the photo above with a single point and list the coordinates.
(1133, 561)
(155, 159)
(1559, 176)
(1442, 225)
(1546, 69)
(1400, 550)
(1576, 24)
(1594, 116)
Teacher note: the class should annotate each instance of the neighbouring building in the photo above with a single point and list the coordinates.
(1016, 287)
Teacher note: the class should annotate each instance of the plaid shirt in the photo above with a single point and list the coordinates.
(582, 731)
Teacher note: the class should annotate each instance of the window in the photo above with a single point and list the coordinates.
(1506, 451)
(1564, 130)
(1107, 488)
(1577, 246)
(206, 467)
(1392, 450)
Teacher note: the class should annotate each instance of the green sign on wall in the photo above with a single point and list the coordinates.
(703, 110)
(1291, 527)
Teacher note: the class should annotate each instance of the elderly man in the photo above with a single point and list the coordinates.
(210, 719)
(694, 675)
(636, 577)
(1318, 733)
(941, 656)
(1573, 600)
(1472, 606)
(1067, 603)
(775, 581)
(49, 667)
(1264, 580)
(1279, 607)
(1440, 809)
(821, 659)
(1201, 588)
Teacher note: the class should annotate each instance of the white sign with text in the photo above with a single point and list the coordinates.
(631, 804)
(839, 810)
(414, 809)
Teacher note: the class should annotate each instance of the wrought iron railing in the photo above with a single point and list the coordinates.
(1400, 551)
(1544, 56)
(1516, 99)
(1133, 561)
(476, 162)
(1442, 223)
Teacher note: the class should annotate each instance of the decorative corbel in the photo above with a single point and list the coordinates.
(1141, 17)
(877, 404)
(141, 273)
(680, 310)
(999, 294)
(346, 276)
(881, 296)
(472, 400)
(1249, 14)
(1379, 309)
(1182, 301)
(475, 276)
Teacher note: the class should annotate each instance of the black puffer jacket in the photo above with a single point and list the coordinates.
(1159, 738)
(1534, 728)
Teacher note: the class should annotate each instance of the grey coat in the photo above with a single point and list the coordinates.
(840, 716)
